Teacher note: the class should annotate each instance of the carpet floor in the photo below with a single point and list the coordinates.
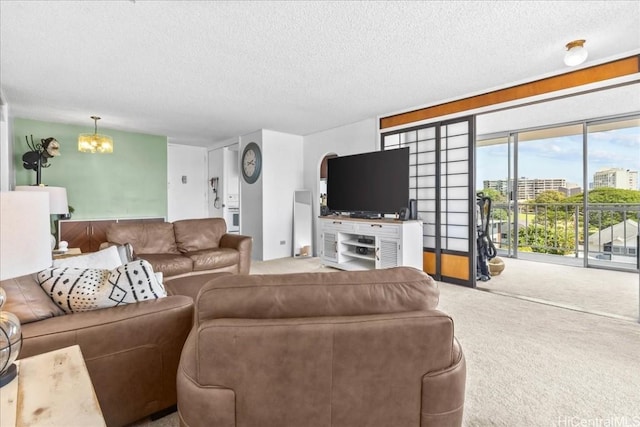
(528, 364)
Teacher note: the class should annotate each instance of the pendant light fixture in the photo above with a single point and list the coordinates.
(576, 53)
(94, 142)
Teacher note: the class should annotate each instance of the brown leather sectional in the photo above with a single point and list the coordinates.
(186, 247)
(337, 349)
(312, 349)
(131, 351)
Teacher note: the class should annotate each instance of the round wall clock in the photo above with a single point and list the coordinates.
(251, 162)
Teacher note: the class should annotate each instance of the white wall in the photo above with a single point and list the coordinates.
(251, 200)
(7, 177)
(282, 174)
(186, 200)
(360, 137)
(266, 206)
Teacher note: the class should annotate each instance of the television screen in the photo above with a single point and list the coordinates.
(374, 183)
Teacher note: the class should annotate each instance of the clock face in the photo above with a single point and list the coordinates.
(251, 162)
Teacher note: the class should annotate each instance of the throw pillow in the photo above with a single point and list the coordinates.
(75, 290)
(125, 252)
(107, 259)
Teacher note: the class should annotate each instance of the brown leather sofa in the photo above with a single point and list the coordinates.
(321, 349)
(131, 352)
(186, 247)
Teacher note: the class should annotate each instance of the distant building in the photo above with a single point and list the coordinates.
(500, 185)
(616, 178)
(570, 190)
(528, 189)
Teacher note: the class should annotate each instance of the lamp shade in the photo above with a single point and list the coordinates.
(58, 204)
(94, 142)
(24, 227)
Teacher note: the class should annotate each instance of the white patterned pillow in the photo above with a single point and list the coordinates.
(76, 289)
(107, 258)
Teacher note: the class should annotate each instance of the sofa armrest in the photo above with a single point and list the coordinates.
(131, 352)
(443, 392)
(105, 245)
(243, 245)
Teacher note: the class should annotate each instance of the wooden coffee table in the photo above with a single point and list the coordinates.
(51, 389)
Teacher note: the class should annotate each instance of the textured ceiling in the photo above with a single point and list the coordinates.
(204, 71)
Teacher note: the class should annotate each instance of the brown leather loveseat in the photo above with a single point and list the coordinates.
(321, 349)
(186, 247)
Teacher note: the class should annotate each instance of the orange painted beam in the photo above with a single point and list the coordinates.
(597, 73)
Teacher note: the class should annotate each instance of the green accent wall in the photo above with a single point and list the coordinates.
(130, 183)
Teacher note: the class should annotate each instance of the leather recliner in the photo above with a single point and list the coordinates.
(321, 349)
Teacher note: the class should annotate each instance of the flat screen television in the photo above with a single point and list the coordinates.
(369, 184)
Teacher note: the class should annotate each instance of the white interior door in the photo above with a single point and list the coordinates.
(187, 182)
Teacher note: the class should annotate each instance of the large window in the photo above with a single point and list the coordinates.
(572, 193)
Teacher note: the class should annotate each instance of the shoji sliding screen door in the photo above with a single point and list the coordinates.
(441, 180)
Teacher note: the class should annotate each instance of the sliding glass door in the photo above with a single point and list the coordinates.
(494, 179)
(613, 205)
(565, 194)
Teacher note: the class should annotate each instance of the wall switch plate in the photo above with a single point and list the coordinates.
(283, 242)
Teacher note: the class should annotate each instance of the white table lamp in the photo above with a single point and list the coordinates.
(58, 204)
(24, 249)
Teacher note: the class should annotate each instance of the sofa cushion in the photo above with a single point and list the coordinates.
(144, 237)
(346, 293)
(190, 285)
(208, 259)
(27, 300)
(76, 289)
(197, 234)
(108, 258)
(168, 264)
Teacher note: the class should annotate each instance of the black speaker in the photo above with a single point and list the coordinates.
(362, 250)
(324, 210)
(413, 209)
(404, 214)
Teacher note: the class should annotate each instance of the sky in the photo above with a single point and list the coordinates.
(561, 157)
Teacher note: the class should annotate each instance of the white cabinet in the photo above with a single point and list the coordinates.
(359, 244)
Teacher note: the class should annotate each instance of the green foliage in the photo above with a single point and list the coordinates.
(549, 240)
(550, 196)
(499, 214)
(608, 195)
(549, 207)
(553, 218)
(494, 195)
(602, 218)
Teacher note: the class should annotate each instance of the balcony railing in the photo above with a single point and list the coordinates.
(558, 229)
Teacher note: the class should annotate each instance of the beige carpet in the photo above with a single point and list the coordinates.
(529, 364)
(608, 292)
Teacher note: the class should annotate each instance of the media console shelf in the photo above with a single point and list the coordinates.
(367, 244)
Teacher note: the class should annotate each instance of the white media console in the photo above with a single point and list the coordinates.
(366, 244)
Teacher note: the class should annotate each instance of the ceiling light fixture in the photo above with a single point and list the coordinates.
(94, 142)
(576, 53)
